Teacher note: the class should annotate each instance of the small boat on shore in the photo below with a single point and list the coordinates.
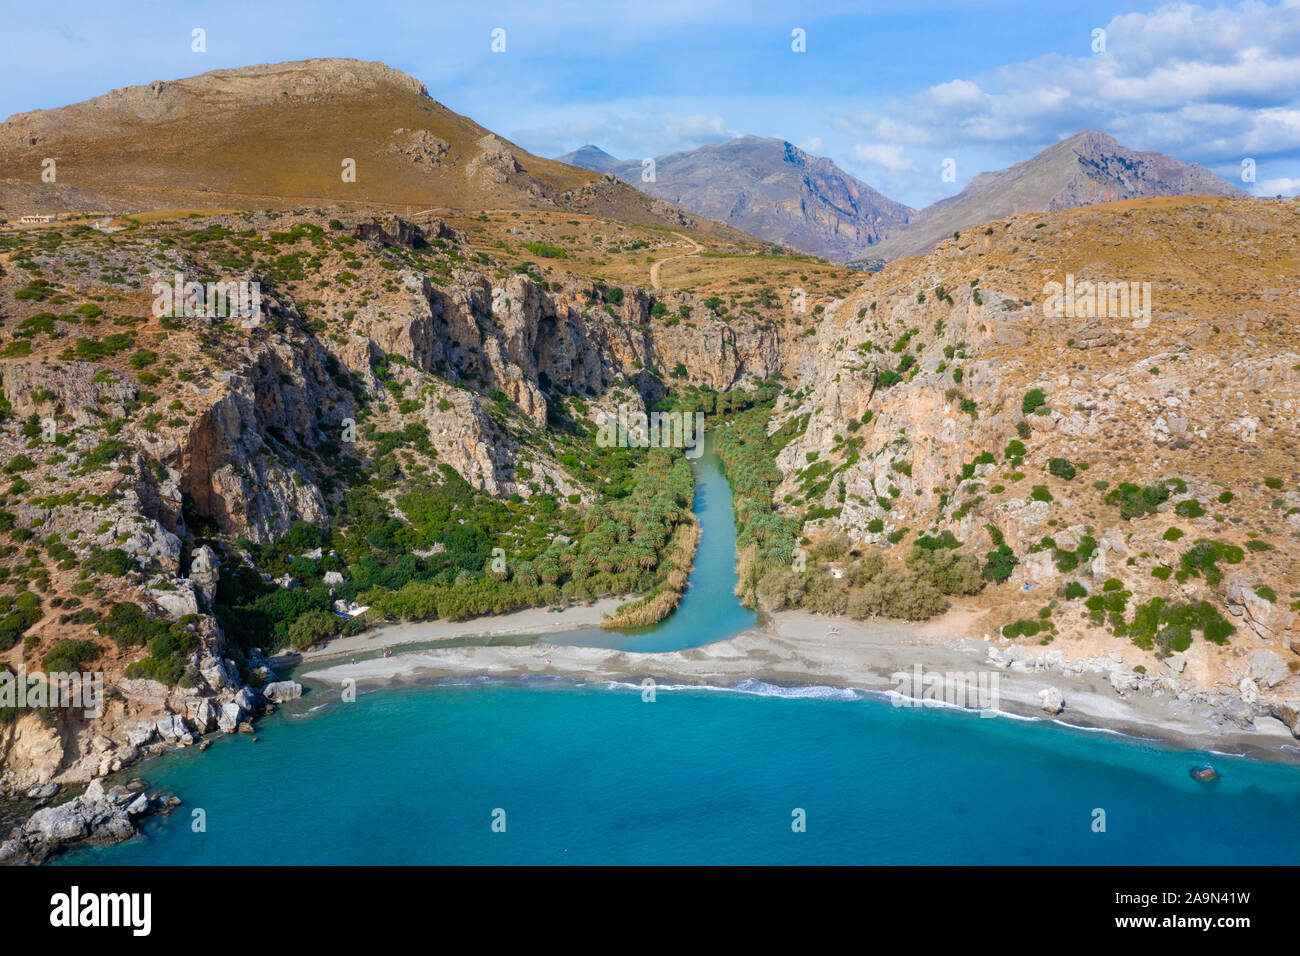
(1205, 773)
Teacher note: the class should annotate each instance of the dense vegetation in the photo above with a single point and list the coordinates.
(872, 584)
(765, 540)
(449, 551)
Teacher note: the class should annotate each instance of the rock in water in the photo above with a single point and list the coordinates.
(278, 692)
(95, 816)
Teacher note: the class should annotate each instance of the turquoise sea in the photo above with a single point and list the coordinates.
(592, 773)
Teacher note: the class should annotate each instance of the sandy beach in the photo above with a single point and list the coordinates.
(538, 620)
(795, 648)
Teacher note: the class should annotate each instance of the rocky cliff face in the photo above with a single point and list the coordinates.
(173, 424)
(769, 188)
(941, 399)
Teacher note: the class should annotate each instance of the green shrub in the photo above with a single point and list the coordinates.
(1203, 557)
(18, 612)
(1025, 627)
(1167, 628)
(103, 454)
(18, 464)
(67, 655)
(1109, 607)
(1061, 468)
(947, 570)
(128, 626)
(1135, 502)
(111, 561)
(547, 251)
(312, 627)
(999, 564)
(946, 540)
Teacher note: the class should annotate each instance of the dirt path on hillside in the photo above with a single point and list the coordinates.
(654, 267)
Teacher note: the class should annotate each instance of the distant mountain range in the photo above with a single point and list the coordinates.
(235, 138)
(778, 192)
(1083, 170)
(282, 135)
(769, 188)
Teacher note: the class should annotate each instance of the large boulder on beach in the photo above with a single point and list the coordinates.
(278, 692)
(1287, 711)
(172, 728)
(1052, 699)
(1238, 711)
(59, 824)
(142, 735)
(202, 714)
(231, 716)
(1124, 681)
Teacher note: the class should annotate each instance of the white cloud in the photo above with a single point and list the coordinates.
(1277, 187)
(892, 159)
(1219, 83)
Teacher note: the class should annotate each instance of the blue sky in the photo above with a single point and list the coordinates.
(886, 90)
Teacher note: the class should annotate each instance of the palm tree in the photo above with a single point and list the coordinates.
(525, 575)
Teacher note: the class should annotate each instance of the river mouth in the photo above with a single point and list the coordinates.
(709, 610)
(614, 771)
